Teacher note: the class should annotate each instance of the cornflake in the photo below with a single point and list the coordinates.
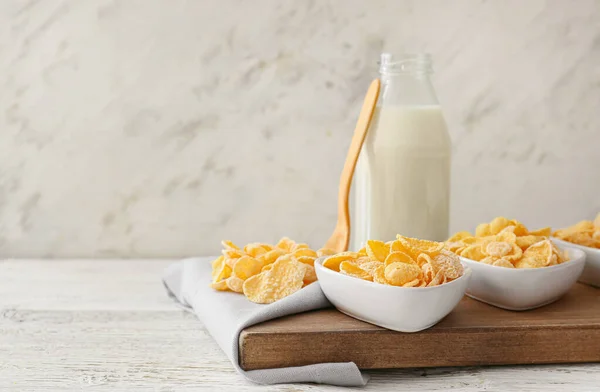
(265, 273)
(404, 262)
(585, 233)
(507, 243)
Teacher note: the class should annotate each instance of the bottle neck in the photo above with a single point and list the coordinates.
(405, 80)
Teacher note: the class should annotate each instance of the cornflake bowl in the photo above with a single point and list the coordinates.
(403, 309)
(591, 271)
(526, 288)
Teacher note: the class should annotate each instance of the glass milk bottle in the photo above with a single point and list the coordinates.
(402, 180)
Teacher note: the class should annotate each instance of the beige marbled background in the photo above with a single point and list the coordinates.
(157, 127)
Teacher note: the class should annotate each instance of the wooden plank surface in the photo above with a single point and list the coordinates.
(107, 325)
(567, 331)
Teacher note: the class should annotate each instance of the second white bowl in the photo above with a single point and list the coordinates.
(591, 271)
(523, 289)
(404, 309)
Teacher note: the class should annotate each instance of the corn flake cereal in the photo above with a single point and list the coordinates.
(246, 266)
(265, 273)
(377, 250)
(472, 252)
(283, 279)
(256, 249)
(310, 275)
(220, 285)
(325, 252)
(415, 246)
(304, 252)
(405, 262)
(379, 274)
(448, 263)
(235, 284)
(399, 257)
(221, 270)
(352, 269)
(371, 266)
(503, 263)
(585, 233)
(509, 244)
(270, 256)
(400, 274)
(229, 245)
(333, 262)
(308, 260)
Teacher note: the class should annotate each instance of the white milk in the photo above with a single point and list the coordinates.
(402, 181)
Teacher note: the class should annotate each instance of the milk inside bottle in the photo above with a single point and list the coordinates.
(402, 180)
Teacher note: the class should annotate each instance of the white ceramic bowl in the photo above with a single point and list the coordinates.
(523, 289)
(404, 309)
(591, 271)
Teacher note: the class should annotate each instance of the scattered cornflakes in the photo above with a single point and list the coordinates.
(405, 262)
(265, 273)
(507, 243)
(586, 233)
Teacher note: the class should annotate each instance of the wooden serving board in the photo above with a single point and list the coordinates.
(567, 331)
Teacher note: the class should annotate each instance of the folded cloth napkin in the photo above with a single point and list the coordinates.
(225, 314)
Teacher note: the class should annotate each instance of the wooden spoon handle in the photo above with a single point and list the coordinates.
(360, 132)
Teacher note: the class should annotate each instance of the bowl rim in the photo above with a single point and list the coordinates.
(578, 259)
(576, 246)
(319, 266)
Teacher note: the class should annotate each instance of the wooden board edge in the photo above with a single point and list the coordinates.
(437, 348)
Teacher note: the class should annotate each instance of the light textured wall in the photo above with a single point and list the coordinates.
(159, 127)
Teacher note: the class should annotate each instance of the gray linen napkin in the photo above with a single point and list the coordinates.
(225, 314)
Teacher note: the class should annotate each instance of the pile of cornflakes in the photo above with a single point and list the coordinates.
(507, 243)
(586, 233)
(406, 262)
(265, 273)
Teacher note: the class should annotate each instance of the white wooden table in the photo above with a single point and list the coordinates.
(108, 325)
